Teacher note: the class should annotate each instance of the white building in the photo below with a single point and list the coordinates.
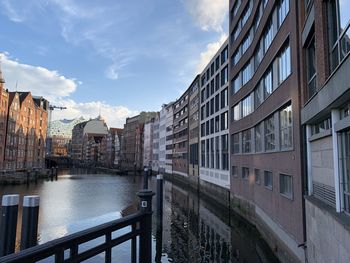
(155, 157)
(166, 138)
(148, 143)
(214, 116)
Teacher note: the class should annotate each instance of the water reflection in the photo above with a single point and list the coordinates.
(195, 231)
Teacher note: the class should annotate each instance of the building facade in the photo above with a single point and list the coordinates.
(4, 99)
(89, 142)
(148, 143)
(214, 121)
(193, 126)
(114, 147)
(325, 56)
(266, 139)
(166, 138)
(180, 135)
(132, 144)
(155, 151)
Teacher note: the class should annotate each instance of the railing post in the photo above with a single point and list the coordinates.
(159, 196)
(145, 253)
(145, 178)
(30, 216)
(8, 226)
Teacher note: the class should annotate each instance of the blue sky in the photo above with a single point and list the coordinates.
(118, 56)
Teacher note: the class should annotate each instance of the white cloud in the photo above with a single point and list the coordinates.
(208, 14)
(209, 53)
(57, 89)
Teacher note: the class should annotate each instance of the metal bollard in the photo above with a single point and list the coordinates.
(8, 226)
(145, 178)
(30, 216)
(159, 196)
(146, 226)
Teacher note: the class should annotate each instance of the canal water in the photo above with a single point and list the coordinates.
(193, 229)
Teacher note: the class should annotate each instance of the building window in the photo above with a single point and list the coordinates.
(217, 151)
(217, 124)
(217, 63)
(212, 106)
(224, 98)
(270, 133)
(236, 56)
(203, 153)
(258, 137)
(339, 32)
(217, 103)
(257, 176)
(212, 156)
(283, 10)
(311, 68)
(217, 82)
(245, 173)
(234, 171)
(207, 153)
(286, 128)
(237, 112)
(246, 141)
(246, 13)
(268, 179)
(224, 121)
(224, 55)
(246, 43)
(286, 185)
(345, 163)
(236, 144)
(246, 73)
(267, 84)
(268, 36)
(236, 83)
(224, 147)
(321, 126)
(258, 95)
(212, 126)
(224, 76)
(247, 106)
(284, 65)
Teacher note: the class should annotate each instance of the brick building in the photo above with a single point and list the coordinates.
(4, 98)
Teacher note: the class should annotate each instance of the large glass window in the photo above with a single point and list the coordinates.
(237, 112)
(224, 76)
(258, 137)
(237, 83)
(246, 43)
(311, 68)
(286, 185)
(207, 163)
(270, 143)
(268, 36)
(212, 156)
(338, 30)
(236, 56)
(267, 84)
(283, 10)
(246, 73)
(224, 121)
(345, 162)
(258, 95)
(284, 65)
(247, 141)
(217, 103)
(245, 173)
(247, 106)
(257, 176)
(217, 124)
(286, 128)
(224, 98)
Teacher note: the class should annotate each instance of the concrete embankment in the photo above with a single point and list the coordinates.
(26, 176)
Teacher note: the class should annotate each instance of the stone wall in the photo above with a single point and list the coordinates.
(328, 233)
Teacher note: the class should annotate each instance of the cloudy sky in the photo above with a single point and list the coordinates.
(118, 56)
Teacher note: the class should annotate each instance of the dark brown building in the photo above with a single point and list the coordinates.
(325, 60)
(266, 139)
(180, 132)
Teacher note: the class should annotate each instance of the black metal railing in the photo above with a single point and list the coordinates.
(69, 248)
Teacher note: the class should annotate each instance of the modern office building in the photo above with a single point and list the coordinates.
(193, 126)
(180, 135)
(166, 138)
(325, 60)
(214, 121)
(266, 139)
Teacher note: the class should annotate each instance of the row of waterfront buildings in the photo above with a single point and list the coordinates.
(23, 127)
(266, 126)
